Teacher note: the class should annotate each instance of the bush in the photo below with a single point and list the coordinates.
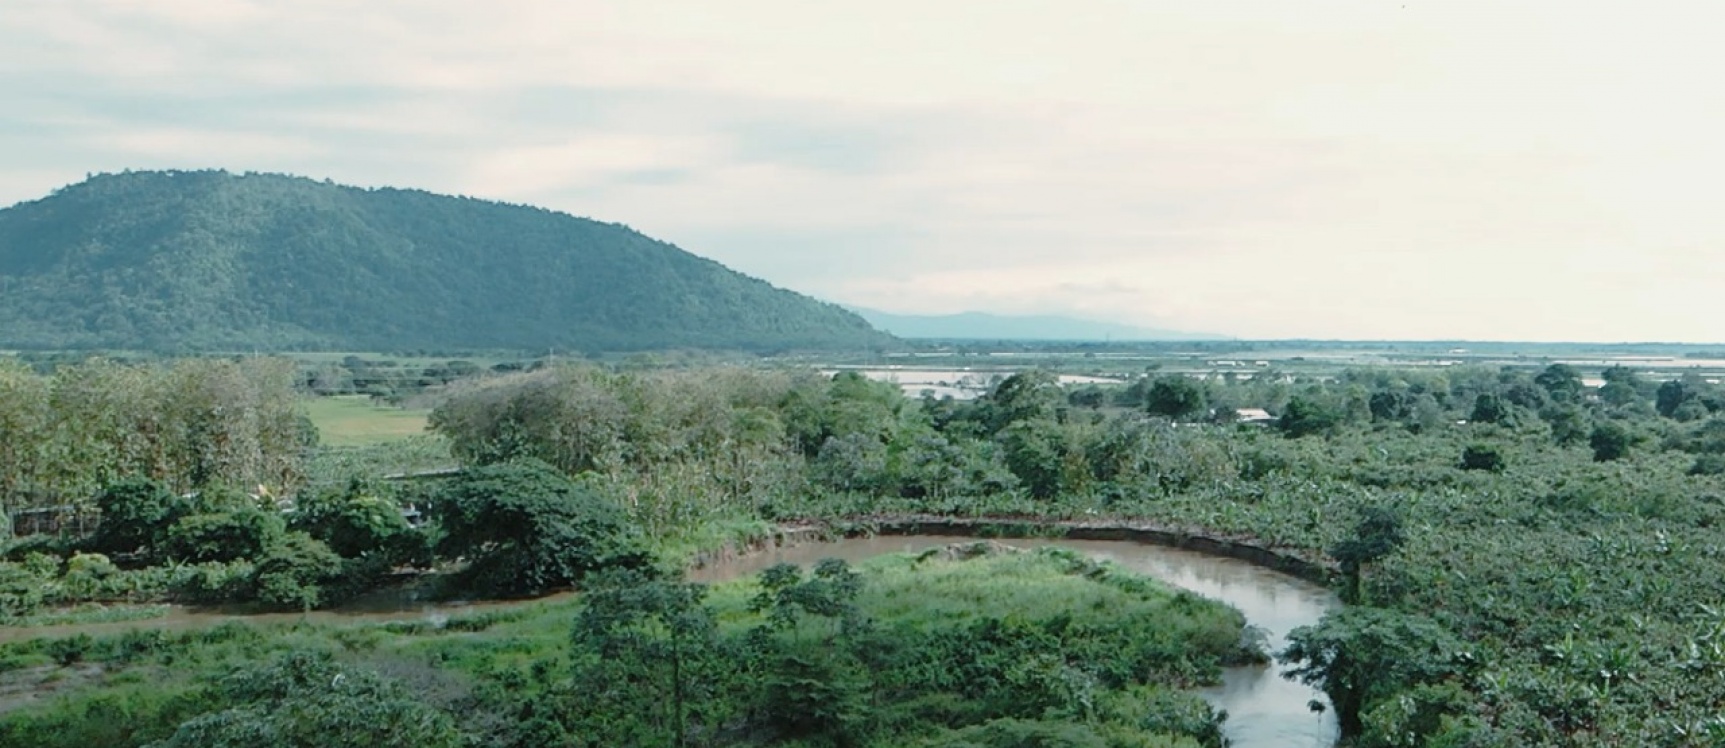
(1482, 457)
(304, 700)
(1018, 733)
(136, 514)
(358, 521)
(291, 573)
(242, 533)
(1708, 464)
(86, 572)
(21, 590)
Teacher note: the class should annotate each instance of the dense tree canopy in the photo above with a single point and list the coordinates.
(1549, 576)
(523, 527)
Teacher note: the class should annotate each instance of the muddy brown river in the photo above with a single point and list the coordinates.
(1265, 710)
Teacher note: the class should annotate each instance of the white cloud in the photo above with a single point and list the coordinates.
(1339, 168)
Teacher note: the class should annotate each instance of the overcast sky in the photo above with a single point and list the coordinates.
(1428, 169)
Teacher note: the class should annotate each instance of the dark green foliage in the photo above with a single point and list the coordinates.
(1025, 396)
(1562, 382)
(1035, 451)
(293, 572)
(1307, 417)
(648, 663)
(1019, 733)
(1569, 424)
(1482, 457)
(176, 260)
(1361, 655)
(1176, 397)
(786, 597)
(304, 700)
(1670, 396)
(358, 522)
(1489, 408)
(1378, 534)
(136, 514)
(1612, 441)
(1391, 405)
(1708, 464)
(228, 534)
(524, 527)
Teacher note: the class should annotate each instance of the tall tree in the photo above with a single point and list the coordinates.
(1175, 396)
(1562, 382)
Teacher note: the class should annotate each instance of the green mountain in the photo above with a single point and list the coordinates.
(209, 260)
(985, 326)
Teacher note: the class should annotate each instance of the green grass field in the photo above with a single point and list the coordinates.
(355, 421)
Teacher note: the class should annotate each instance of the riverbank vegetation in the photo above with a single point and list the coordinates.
(973, 645)
(1530, 559)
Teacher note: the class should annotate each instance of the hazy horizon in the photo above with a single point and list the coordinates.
(1327, 171)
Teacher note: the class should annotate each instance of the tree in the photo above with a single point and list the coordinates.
(1378, 534)
(293, 571)
(1036, 453)
(1361, 655)
(1619, 393)
(1670, 396)
(525, 528)
(1391, 405)
(649, 666)
(1088, 396)
(831, 592)
(851, 462)
(1611, 441)
(1489, 408)
(1305, 416)
(1033, 394)
(1174, 396)
(1562, 382)
(1569, 424)
(811, 686)
(26, 420)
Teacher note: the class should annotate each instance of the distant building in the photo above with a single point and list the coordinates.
(1248, 416)
(1253, 415)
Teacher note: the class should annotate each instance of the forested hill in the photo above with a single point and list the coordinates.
(212, 260)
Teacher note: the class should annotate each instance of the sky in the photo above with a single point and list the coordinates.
(1258, 168)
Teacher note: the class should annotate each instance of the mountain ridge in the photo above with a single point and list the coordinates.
(215, 260)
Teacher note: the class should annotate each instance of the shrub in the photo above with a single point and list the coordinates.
(242, 533)
(358, 521)
(1708, 464)
(136, 514)
(1482, 457)
(291, 573)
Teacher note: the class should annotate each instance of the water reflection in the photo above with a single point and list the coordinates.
(1264, 709)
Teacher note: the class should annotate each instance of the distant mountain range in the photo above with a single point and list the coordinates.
(208, 260)
(985, 326)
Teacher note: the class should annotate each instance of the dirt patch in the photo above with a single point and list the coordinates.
(968, 551)
(27, 686)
